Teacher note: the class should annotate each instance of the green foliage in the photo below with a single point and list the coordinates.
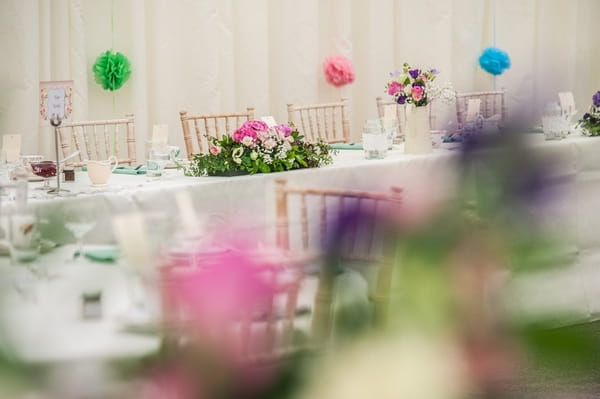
(228, 157)
(590, 122)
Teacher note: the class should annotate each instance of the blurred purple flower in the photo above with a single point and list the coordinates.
(596, 99)
(414, 73)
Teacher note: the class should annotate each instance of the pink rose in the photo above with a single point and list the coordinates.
(417, 93)
(214, 149)
(338, 70)
(394, 88)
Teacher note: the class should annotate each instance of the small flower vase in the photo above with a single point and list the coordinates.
(417, 138)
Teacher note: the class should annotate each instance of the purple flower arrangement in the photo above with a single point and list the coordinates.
(415, 86)
(257, 148)
(590, 122)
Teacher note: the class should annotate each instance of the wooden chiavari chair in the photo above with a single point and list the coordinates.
(361, 240)
(197, 127)
(329, 122)
(97, 140)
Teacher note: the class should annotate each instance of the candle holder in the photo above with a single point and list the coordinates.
(56, 121)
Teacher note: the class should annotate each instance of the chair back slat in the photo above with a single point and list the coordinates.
(105, 140)
(97, 143)
(116, 140)
(212, 125)
(329, 122)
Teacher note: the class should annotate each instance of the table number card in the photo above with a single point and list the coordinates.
(269, 120)
(11, 145)
(473, 109)
(56, 99)
(160, 135)
(567, 103)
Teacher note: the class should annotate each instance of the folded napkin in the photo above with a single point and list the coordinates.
(102, 254)
(346, 146)
(125, 170)
(130, 170)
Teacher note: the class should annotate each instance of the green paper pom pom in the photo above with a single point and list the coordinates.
(111, 70)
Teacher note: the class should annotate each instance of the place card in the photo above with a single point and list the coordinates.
(390, 117)
(160, 135)
(56, 100)
(473, 109)
(269, 120)
(11, 145)
(567, 103)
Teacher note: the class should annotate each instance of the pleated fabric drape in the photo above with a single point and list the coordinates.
(223, 55)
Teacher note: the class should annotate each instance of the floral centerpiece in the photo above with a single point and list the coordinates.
(257, 148)
(590, 122)
(415, 86)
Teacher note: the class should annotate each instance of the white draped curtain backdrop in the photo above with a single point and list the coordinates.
(208, 56)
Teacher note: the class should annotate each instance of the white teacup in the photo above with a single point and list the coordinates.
(100, 171)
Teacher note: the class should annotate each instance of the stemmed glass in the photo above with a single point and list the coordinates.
(45, 169)
(80, 220)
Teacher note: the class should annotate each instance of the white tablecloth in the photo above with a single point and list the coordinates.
(246, 203)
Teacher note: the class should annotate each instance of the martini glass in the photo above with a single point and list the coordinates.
(80, 219)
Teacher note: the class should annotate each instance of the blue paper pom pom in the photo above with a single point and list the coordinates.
(494, 60)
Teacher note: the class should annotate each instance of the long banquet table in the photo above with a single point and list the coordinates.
(246, 203)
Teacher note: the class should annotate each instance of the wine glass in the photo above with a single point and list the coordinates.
(45, 169)
(80, 220)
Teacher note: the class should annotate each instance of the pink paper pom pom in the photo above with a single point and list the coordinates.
(338, 70)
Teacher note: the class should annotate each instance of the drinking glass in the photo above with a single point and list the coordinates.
(158, 157)
(80, 218)
(375, 140)
(45, 169)
(23, 238)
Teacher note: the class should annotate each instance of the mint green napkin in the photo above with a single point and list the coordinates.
(102, 254)
(346, 146)
(130, 170)
(125, 170)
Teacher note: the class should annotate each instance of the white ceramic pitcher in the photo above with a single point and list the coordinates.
(99, 171)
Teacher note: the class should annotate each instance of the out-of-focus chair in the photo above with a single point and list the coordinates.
(99, 139)
(197, 127)
(346, 226)
(492, 104)
(329, 122)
